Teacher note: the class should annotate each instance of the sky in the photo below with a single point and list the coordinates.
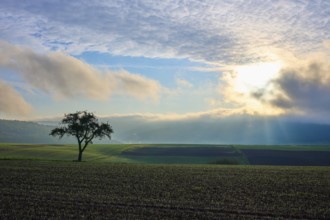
(165, 60)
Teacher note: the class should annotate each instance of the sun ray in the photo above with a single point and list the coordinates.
(248, 85)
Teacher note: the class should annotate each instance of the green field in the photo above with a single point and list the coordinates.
(32, 189)
(173, 154)
(115, 153)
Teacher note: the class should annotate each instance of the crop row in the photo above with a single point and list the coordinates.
(39, 189)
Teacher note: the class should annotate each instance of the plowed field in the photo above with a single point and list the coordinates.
(67, 190)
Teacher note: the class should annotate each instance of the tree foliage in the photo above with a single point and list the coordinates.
(84, 126)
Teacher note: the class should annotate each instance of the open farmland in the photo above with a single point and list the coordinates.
(42, 189)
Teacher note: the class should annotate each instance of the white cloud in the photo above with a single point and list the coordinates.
(223, 33)
(327, 43)
(64, 76)
(56, 73)
(209, 31)
(174, 117)
(11, 102)
(137, 85)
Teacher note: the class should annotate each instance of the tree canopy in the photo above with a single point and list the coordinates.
(84, 126)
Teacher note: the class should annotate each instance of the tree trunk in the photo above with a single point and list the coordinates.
(80, 150)
(80, 156)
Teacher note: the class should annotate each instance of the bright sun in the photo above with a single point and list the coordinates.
(255, 76)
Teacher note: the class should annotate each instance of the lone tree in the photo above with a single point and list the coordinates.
(84, 126)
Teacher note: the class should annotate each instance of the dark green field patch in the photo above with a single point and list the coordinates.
(184, 160)
(204, 151)
(185, 154)
(284, 147)
(287, 157)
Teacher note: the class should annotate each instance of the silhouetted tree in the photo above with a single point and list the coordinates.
(84, 126)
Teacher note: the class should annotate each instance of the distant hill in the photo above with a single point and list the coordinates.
(25, 132)
(231, 130)
(248, 130)
(12, 131)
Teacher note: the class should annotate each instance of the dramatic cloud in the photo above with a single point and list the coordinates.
(209, 31)
(11, 102)
(64, 76)
(304, 87)
(299, 87)
(239, 92)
